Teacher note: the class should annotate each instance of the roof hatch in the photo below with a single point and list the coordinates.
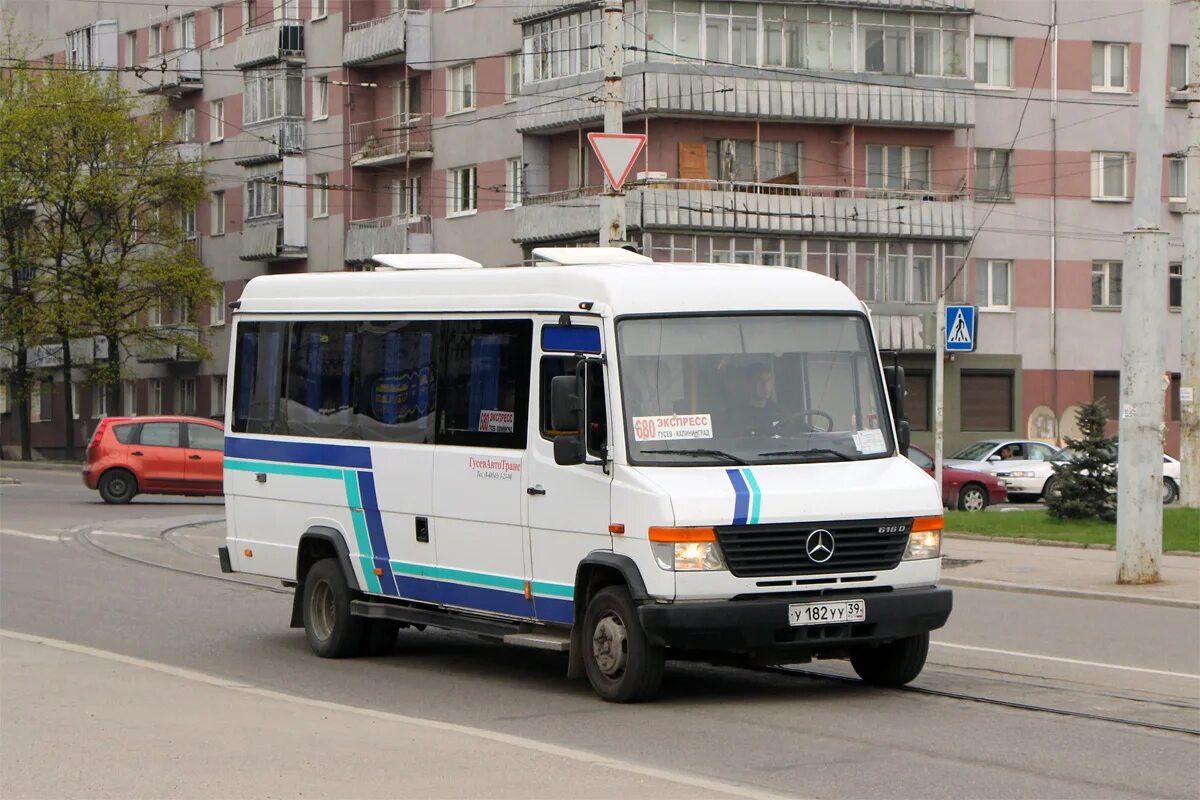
(404, 261)
(565, 256)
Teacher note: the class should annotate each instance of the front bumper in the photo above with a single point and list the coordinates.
(759, 627)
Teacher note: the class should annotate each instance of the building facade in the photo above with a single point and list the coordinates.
(983, 148)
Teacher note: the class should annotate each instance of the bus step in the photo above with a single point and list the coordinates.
(540, 641)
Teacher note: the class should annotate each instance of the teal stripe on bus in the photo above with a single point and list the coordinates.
(480, 579)
(359, 520)
(275, 468)
(755, 496)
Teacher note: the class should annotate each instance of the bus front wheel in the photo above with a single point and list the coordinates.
(621, 665)
(892, 664)
(331, 630)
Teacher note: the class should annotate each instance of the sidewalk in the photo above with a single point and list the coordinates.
(1064, 571)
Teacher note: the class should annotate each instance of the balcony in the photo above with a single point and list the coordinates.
(282, 40)
(187, 151)
(273, 240)
(778, 209)
(173, 73)
(375, 42)
(674, 90)
(369, 237)
(391, 140)
(169, 347)
(269, 141)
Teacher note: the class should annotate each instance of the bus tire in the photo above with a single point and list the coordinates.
(331, 630)
(621, 665)
(892, 664)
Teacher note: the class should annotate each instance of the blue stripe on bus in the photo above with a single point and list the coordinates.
(553, 609)
(379, 548)
(324, 455)
(456, 594)
(741, 500)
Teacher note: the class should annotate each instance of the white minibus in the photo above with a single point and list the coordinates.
(617, 459)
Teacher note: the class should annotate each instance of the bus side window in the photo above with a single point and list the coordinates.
(553, 366)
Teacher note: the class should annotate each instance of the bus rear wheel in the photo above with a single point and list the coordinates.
(892, 664)
(621, 665)
(331, 630)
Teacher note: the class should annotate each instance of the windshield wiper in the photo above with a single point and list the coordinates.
(812, 451)
(702, 452)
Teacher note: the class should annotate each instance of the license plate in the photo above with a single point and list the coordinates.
(826, 613)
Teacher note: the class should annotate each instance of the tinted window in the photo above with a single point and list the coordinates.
(484, 385)
(320, 379)
(256, 388)
(395, 383)
(919, 458)
(204, 437)
(1040, 452)
(124, 433)
(160, 434)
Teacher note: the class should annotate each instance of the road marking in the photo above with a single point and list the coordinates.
(1068, 660)
(582, 756)
(122, 534)
(43, 537)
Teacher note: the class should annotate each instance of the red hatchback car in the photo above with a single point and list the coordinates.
(963, 489)
(155, 455)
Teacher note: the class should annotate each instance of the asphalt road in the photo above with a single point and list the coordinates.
(126, 673)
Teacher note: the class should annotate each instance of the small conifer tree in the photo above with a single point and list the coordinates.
(1086, 485)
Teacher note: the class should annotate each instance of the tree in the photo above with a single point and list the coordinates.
(1086, 485)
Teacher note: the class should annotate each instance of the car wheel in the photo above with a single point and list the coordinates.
(117, 486)
(331, 630)
(1050, 488)
(1170, 491)
(892, 664)
(621, 665)
(972, 498)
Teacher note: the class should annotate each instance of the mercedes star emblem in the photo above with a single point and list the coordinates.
(819, 546)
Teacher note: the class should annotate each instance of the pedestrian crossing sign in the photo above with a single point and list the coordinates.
(960, 329)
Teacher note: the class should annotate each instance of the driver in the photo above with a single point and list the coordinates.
(758, 413)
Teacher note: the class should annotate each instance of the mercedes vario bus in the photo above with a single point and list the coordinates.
(621, 460)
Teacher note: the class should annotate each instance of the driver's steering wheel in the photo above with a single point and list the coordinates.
(812, 412)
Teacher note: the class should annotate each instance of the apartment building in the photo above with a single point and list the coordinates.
(980, 147)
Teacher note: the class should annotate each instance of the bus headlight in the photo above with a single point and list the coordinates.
(686, 549)
(925, 540)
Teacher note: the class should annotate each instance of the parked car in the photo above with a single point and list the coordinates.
(1022, 465)
(966, 490)
(128, 456)
(1024, 478)
(1172, 475)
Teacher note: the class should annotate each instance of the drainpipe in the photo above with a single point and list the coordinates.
(1054, 215)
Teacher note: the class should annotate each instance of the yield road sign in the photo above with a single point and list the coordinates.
(960, 329)
(616, 153)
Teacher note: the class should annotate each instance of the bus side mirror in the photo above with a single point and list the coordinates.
(566, 405)
(903, 436)
(894, 380)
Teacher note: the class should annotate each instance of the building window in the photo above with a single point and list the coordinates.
(1106, 284)
(154, 313)
(1177, 180)
(1175, 285)
(406, 198)
(993, 62)
(74, 390)
(218, 396)
(185, 397)
(217, 223)
(1108, 176)
(321, 97)
(262, 196)
(320, 9)
(1179, 67)
(993, 174)
(188, 223)
(273, 92)
(986, 401)
(79, 48)
(154, 396)
(131, 48)
(1174, 401)
(216, 121)
(184, 312)
(187, 24)
(462, 191)
(218, 27)
(513, 75)
(321, 195)
(1110, 67)
(514, 182)
(917, 395)
(1106, 390)
(898, 167)
(155, 40)
(187, 125)
(217, 310)
(993, 284)
(129, 398)
(459, 3)
(41, 400)
(99, 400)
(461, 80)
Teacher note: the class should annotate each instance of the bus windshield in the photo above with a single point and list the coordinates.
(751, 389)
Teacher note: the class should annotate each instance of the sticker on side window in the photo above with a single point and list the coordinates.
(870, 441)
(492, 421)
(673, 426)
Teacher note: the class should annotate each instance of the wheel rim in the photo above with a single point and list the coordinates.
(117, 487)
(321, 606)
(1168, 492)
(973, 500)
(610, 645)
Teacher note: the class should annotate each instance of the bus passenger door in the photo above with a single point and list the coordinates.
(568, 506)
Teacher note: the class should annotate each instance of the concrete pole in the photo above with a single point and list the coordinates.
(1143, 340)
(1189, 384)
(612, 55)
(939, 386)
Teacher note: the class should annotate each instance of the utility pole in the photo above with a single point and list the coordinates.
(612, 202)
(1189, 384)
(1143, 340)
(939, 387)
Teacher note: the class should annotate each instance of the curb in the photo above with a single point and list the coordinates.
(1080, 594)
(7, 481)
(979, 537)
(58, 466)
